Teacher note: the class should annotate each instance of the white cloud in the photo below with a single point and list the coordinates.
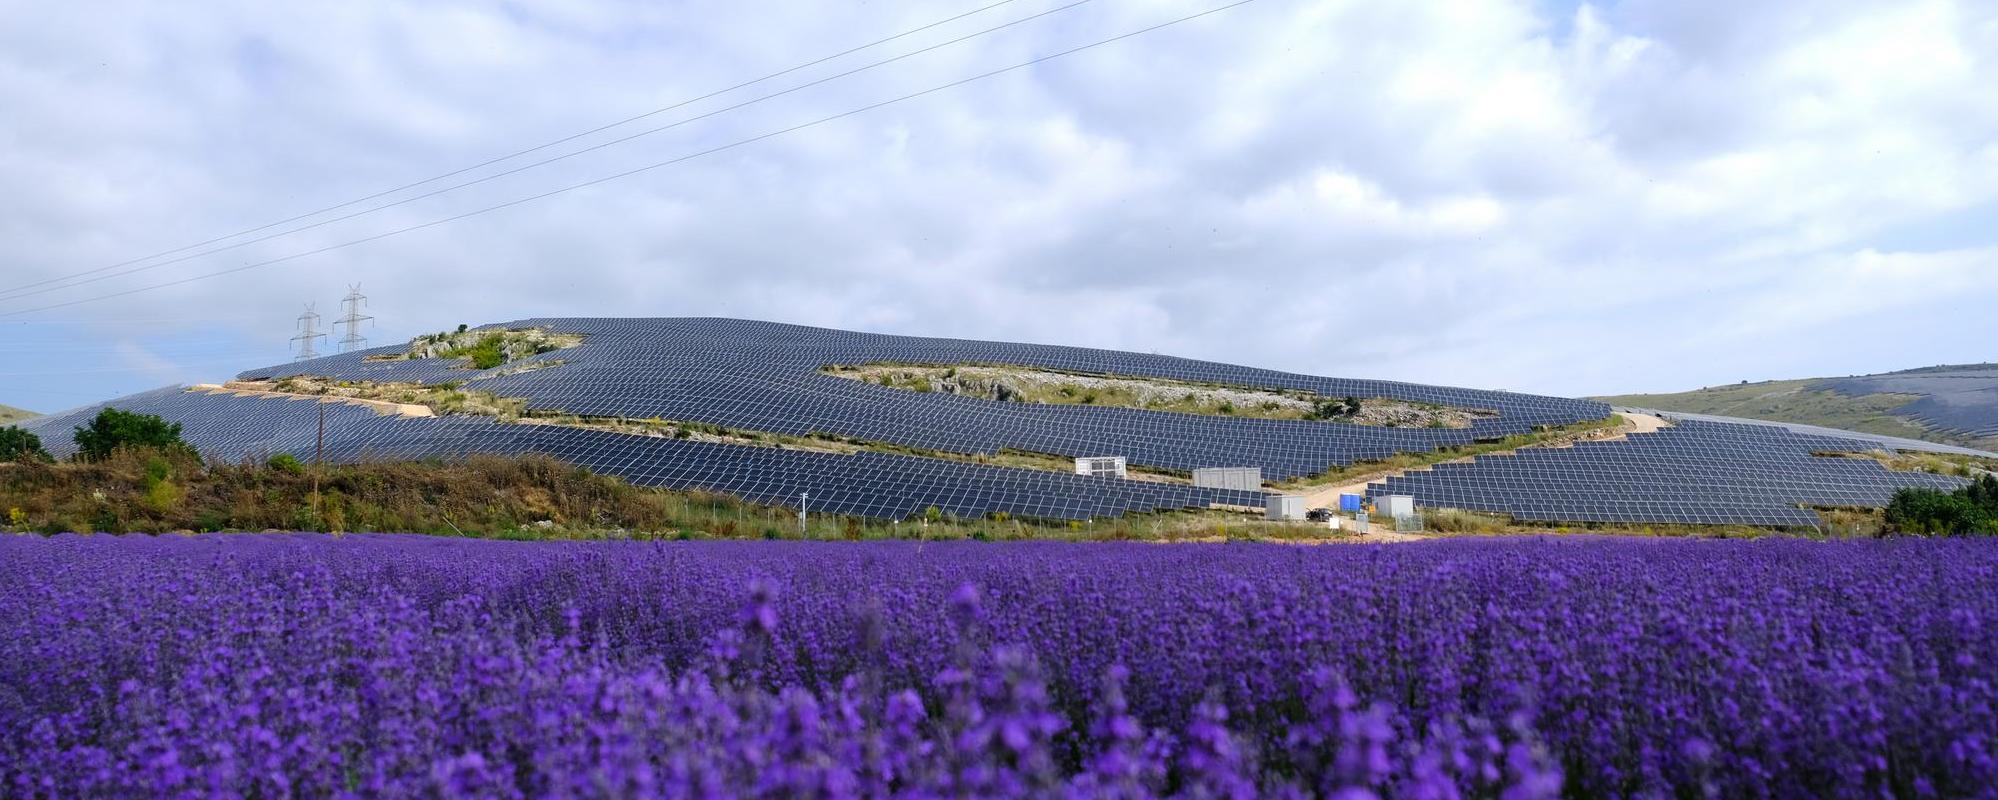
(1646, 195)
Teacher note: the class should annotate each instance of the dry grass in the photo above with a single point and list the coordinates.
(156, 491)
(1937, 463)
(530, 497)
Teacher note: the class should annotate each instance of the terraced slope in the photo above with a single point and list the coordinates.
(761, 376)
(1950, 404)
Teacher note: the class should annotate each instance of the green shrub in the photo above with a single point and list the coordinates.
(211, 520)
(488, 352)
(286, 463)
(21, 445)
(113, 429)
(1972, 509)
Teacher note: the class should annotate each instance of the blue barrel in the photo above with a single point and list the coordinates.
(1349, 502)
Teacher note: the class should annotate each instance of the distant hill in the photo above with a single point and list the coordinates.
(1954, 404)
(12, 414)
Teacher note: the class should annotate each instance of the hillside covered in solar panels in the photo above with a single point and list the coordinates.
(1952, 404)
(764, 411)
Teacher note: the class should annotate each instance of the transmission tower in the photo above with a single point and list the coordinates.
(351, 317)
(308, 333)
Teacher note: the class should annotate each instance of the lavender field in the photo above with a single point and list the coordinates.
(307, 666)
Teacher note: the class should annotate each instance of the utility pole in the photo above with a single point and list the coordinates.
(802, 497)
(308, 334)
(351, 317)
(318, 458)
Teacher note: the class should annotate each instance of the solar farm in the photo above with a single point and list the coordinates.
(769, 378)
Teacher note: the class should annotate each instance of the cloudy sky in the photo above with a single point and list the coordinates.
(1570, 199)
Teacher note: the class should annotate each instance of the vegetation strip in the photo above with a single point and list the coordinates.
(1039, 385)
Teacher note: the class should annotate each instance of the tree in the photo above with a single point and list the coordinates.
(21, 445)
(1984, 494)
(113, 429)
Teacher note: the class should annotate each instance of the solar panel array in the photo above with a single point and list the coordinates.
(762, 376)
(879, 485)
(758, 376)
(1877, 441)
(1697, 472)
(1955, 399)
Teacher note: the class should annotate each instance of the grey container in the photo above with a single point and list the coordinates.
(1248, 479)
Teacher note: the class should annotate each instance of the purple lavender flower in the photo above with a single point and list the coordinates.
(393, 666)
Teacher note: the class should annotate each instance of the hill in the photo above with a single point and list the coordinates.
(1949, 404)
(11, 414)
(906, 428)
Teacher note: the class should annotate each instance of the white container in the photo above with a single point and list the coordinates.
(1394, 505)
(1100, 466)
(1334, 521)
(1288, 507)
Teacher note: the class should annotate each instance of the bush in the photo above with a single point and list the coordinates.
(1334, 409)
(21, 445)
(1972, 509)
(1451, 520)
(113, 429)
(285, 462)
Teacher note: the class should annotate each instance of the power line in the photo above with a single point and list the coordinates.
(193, 347)
(120, 321)
(519, 153)
(631, 172)
(26, 291)
(110, 370)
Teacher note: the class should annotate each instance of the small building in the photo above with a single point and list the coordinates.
(1288, 507)
(1395, 506)
(1100, 466)
(1352, 503)
(1247, 479)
